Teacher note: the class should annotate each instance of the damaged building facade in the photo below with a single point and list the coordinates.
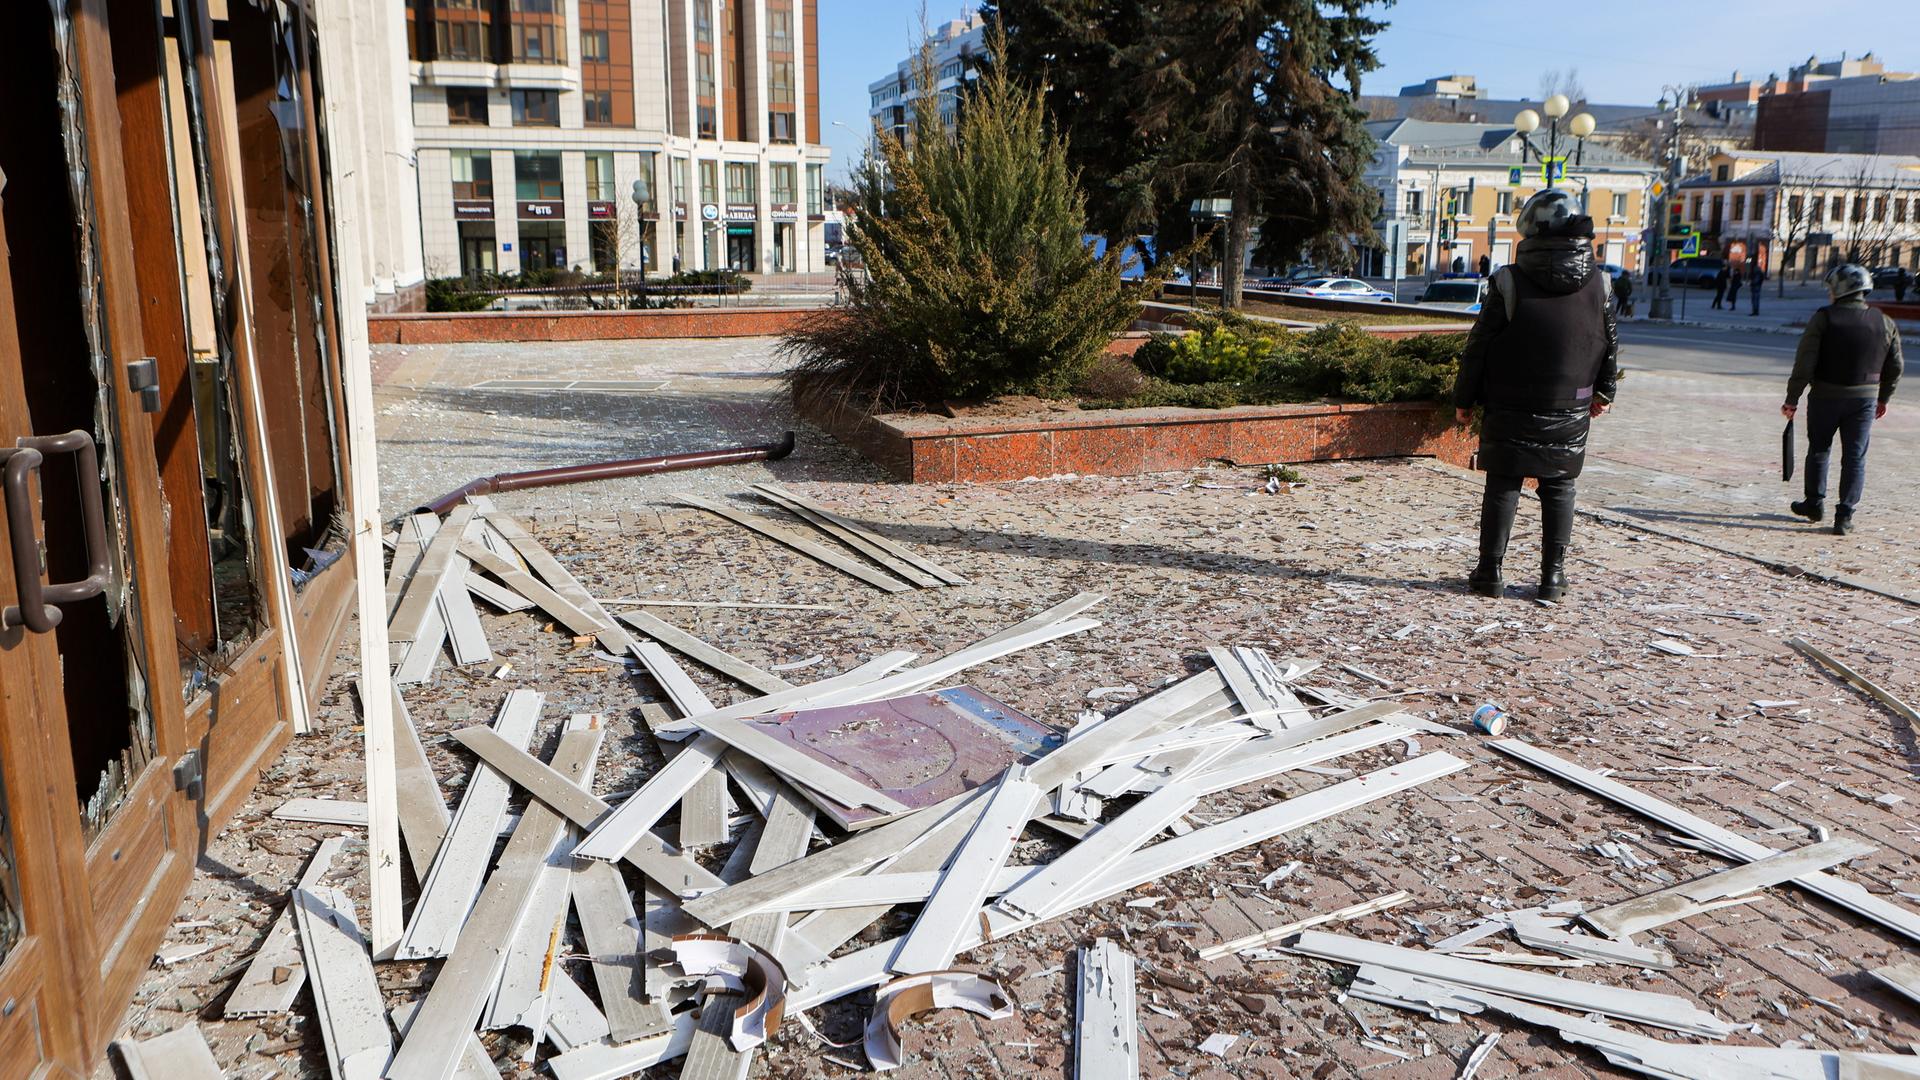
(185, 289)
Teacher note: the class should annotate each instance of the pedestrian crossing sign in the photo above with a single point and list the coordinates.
(1514, 175)
(1692, 246)
(1553, 169)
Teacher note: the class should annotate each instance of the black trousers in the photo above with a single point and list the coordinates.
(1852, 420)
(1502, 499)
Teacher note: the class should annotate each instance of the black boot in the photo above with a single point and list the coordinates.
(1842, 521)
(1556, 534)
(1497, 507)
(1811, 509)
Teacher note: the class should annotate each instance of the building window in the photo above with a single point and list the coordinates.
(648, 192)
(1879, 208)
(702, 23)
(743, 188)
(780, 31)
(460, 30)
(780, 178)
(782, 127)
(596, 107)
(1819, 209)
(536, 175)
(709, 182)
(1759, 207)
(1620, 204)
(594, 47)
(1899, 211)
(536, 108)
(703, 75)
(1859, 208)
(600, 176)
(473, 174)
(536, 43)
(780, 82)
(706, 116)
(466, 105)
(1740, 207)
(1720, 172)
(681, 194)
(1413, 203)
(1698, 202)
(1795, 207)
(1503, 202)
(815, 173)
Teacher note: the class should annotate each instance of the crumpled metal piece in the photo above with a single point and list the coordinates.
(733, 967)
(909, 996)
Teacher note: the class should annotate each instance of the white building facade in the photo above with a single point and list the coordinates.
(1802, 213)
(957, 48)
(585, 134)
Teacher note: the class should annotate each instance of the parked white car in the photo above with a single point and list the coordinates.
(1339, 289)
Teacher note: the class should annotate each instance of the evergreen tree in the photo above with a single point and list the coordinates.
(978, 279)
(1226, 98)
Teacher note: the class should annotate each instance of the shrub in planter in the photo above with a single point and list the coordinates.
(455, 294)
(978, 280)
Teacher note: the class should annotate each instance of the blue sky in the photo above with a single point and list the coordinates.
(1623, 56)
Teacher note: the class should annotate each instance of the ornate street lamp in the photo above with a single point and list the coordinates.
(1526, 122)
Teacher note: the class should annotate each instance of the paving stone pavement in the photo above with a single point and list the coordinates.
(1361, 565)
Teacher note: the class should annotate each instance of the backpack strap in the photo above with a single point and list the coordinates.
(1509, 296)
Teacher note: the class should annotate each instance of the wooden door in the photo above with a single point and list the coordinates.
(105, 693)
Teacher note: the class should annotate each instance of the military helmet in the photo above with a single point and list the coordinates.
(1847, 279)
(1547, 213)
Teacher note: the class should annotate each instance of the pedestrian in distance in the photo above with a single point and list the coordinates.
(1623, 296)
(1541, 362)
(1486, 265)
(1719, 288)
(1459, 264)
(1848, 363)
(1902, 281)
(1755, 276)
(1733, 289)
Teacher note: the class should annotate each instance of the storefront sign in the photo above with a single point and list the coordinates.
(742, 213)
(543, 210)
(680, 211)
(786, 211)
(473, 209)
(599, 211)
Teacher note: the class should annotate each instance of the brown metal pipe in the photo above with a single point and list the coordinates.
(606, 470)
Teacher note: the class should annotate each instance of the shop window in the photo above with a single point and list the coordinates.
(814, 176)
(600, 176)
(742, 184)
(536, 175)
(780, 179)
(709, 182)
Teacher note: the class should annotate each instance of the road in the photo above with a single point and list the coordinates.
(1693, 446)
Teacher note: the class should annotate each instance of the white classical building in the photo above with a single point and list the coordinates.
(655, 134)
(1800, 213)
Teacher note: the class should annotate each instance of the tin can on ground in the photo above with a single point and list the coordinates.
(1490, 719)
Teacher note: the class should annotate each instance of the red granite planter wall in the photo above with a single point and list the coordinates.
(1173, 316)
(443, 327)
(1123, 442)
(1907, 312)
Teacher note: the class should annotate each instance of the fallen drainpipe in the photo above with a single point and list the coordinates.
(606, 470)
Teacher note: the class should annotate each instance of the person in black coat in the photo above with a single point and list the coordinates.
(1720, 288)
(1541, 363)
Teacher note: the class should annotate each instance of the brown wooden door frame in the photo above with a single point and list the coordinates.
(39, 1024)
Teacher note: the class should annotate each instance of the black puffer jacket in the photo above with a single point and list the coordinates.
(1537, 374)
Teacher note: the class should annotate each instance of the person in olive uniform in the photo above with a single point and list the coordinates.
(1541, 363)
(1848, 363)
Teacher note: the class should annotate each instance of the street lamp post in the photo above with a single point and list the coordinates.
(1526, 122)
(1661, 306)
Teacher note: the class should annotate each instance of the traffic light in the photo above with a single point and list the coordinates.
(1453, 202)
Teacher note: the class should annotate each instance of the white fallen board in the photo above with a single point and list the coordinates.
(423, 588)
(1538, 934)
(631, 821)
(867, 890)
(422, 807)
(464, 633)
(1721, 841)
(701, 652)
(520, 581)
(1286, 930)
(1639, 1006)
(611, 928)
(1106, 1032)
(818, 552)
(349, 812)
(899, 551)
(273, 979)
(649, 854)
(432, 1048)
(413, 661)
(856, 539)
(346, 997)
(1643, 913)
(1903, 977)
(474, 1062)
(817, 693)
(604, 1061)
(460, 866)
(935, 937)
(869, 966)
(180, 1054)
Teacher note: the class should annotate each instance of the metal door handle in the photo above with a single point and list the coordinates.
(37, 610)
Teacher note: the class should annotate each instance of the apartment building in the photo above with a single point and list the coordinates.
(1455, 188)
(654, 135)
(957, 47)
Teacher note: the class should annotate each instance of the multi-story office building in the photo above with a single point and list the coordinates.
(655, 134)
(957, 48)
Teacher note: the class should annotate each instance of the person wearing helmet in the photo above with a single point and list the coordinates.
(1848, 362)
(1540, 363)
